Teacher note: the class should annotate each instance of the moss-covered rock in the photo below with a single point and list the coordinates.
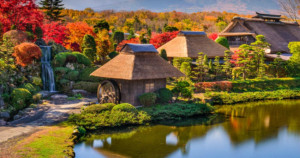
(30, 88)
(87, 86)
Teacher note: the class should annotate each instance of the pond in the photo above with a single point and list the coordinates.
(260, 130)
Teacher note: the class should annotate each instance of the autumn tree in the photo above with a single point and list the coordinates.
(25, 53)
(121, 45)
(170, 28)
(52, 9)
(75, 33)
(161, 39)
(103, 45)
(291, 8)
(19, 13)
(213, 36)
(55, 31)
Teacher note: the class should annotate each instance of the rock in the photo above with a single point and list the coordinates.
(4, 115)
(2, 122)
(28, 110)
(59, 97)
(1, 99)
(16, 117)
(45, 94)
(81, 92)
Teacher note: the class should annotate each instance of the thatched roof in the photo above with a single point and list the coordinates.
(137, 62)
(278, 34)
(190, 43)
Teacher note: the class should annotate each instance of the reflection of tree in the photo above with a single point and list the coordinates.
(151, 141)
(261, 122)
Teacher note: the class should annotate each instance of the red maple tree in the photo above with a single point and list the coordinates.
(19, 13)
(121, 45)
(161, 39)
(25, 53)
(54, 31)
(213, 36)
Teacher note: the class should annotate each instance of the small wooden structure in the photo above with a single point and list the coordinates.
(278, 33)
(190, 43)
(138, 69)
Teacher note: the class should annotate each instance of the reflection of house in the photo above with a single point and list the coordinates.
(277, 33)
(137, 70)
(190, 43)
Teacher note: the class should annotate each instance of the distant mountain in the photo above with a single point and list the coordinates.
(237, 6)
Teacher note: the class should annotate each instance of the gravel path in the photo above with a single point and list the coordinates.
(54, 114)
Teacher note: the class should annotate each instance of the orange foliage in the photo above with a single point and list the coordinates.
(25, 53)
(121, 45)
(76, 32)
(217, 86)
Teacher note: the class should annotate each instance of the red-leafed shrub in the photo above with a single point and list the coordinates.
(132, 40)
(213, 36)
(75, 47)
(213, 86)
(25, 53)
(55, 31)
(161, 39)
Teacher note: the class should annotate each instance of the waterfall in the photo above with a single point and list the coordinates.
(47, 71)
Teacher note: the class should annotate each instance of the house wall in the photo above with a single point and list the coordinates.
(132, 89)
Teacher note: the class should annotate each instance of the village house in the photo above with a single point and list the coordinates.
(138, 69)
(277, 32)
(190, 44)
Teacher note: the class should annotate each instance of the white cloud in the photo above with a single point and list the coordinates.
(228, 5)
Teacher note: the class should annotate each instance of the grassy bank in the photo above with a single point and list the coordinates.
(55, 141)
(109, 115)
(221, 98)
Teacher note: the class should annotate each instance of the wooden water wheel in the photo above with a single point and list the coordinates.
(108, 92)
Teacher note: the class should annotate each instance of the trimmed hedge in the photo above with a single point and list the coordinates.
(220, 98)
(60, 59)
(164, 95)
(249, 85)
(147, 99)
(72, 75)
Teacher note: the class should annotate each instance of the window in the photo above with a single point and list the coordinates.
(149, 87)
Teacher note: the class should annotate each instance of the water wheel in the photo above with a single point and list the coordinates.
(108, 92)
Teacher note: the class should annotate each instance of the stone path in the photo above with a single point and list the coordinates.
(55, 114)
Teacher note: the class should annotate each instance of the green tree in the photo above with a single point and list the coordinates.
(259, 47)
(226, 67)
(244, 61)
(101, 25)
(178, 61)
(221, 25)
(211, 66)
(170, 28)
(118, 36)
(198, 71)
(131, 34)
(294, 62)
(217, 66)
(52, 9)
(89, 47)
(163, 54)
(149, 33)
(186, 69)
(39, 32)
(223, 41)
(278, 66)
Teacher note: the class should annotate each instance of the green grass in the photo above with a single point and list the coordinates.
(50, 142)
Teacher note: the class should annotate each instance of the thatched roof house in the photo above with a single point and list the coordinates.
(138, 69)
(190, 43)
(277, 33)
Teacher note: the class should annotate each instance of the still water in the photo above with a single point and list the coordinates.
(254, 130)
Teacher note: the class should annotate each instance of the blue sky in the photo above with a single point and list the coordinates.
(238, 6)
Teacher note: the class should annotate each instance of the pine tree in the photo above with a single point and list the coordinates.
(218, 67)
(163, 54)
(259, 47)
(244, 61)
(198, 71)
(226, 67)
(52, 9)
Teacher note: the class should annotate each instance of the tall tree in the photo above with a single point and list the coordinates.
(226, 67)
(291, 7)
(259, 47)
(52, 9)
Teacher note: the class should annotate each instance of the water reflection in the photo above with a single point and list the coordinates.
(264, 129)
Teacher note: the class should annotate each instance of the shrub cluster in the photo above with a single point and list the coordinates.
(220, 98)
(213, 86)
(176, 111)
(109, 115)
(147, 99)
(61, 59)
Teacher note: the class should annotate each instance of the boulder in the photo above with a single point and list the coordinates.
(4, 115)
(81, 92)
(16, 117)
(45, 94)
(2, 122)
(59, 97)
